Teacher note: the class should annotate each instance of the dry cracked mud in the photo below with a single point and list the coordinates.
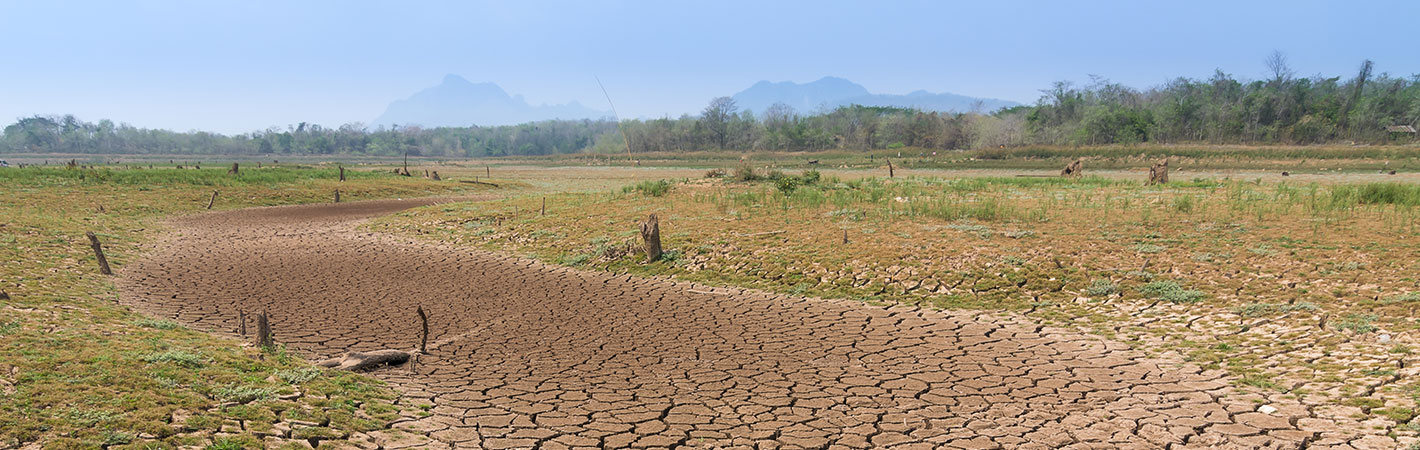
(527, 355)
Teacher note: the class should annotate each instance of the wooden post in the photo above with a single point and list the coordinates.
(651, 234)
(487, 172)
(263, 331)
(337, 195)
(342, 173)
(845, 236)
(233, 170)
(890, 174)
(424, 326)
(212, 200)
(242, 323)
(544, 207)
(99, 252)
(406, 162)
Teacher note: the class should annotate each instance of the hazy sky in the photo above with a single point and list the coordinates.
(237, 66)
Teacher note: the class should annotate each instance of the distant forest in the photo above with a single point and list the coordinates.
(1282, 109)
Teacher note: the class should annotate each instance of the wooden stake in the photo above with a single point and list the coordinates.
(212, 200)
(890, 174)
(424, 326)
(242, 323)
(263, 332)
(99, 252)
(487, 172)
(544, 207)
(845, 236)
(342, 173)
(651, 235)
(337, 195)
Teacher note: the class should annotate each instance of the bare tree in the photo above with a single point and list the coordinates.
(717, 116)
(1278, 67)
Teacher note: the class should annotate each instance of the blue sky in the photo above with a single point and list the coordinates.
(237, 66)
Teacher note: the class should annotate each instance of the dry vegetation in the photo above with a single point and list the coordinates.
(1306, 292)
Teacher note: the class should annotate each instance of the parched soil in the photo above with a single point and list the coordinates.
(524, 355)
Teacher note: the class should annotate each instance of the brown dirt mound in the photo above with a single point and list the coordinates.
(528, 355)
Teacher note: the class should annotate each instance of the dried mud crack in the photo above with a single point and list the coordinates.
(526, 355)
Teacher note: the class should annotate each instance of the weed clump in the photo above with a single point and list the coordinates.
(649, 188)
(177, 357)
(158, 324)
(1357, 323)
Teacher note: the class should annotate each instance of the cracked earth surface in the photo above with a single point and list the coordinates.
(527, 355)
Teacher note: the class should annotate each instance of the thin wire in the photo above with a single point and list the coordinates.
(625, 139)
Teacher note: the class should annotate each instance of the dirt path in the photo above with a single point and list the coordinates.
(528, 355)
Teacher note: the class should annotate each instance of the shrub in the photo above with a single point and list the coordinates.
(786, 185)
(1171, 292)
(715, 173)
(1100, 288)
(746, 174)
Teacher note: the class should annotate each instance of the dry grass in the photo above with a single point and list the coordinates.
(78, 371)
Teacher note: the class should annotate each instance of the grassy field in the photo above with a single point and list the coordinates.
(1302, 290)
(79, 371)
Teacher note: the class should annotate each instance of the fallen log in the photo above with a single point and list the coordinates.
(478, 182)
(361, 361)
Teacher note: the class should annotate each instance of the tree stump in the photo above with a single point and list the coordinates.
(233, 170)
(651, 235)
(361, 361)
(99, 253)
(212, 200)
(263, 332)
(1073, 170)
(1159, 172)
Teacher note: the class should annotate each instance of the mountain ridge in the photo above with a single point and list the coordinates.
(832, 92)
(457, 102)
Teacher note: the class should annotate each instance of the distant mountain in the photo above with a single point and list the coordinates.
(832, 92)
(456, 102)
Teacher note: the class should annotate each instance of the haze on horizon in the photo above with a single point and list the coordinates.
(234, 67)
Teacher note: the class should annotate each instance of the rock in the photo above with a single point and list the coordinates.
(1266, 409)
(1383, 338)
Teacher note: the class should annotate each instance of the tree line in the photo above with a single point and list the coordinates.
(1282, 109)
